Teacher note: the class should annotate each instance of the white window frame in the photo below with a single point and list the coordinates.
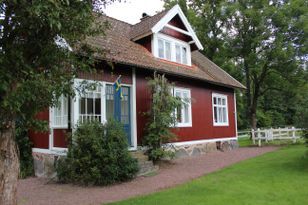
(164, 48)
(173, 41)
(64, 123)
(189, 123)
(76, 103)
(225, 97)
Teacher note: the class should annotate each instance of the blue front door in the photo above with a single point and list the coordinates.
(119, 108)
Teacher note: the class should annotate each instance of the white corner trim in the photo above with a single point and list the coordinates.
(200, 141)
(235, 115)
(134, 111)
(170, 14)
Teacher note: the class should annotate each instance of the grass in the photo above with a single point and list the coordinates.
(280, 177)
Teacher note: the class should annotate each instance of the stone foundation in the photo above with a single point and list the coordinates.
(203, 148)
(44, 164)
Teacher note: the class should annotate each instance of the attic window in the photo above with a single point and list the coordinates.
(172, 49)
(164, 49)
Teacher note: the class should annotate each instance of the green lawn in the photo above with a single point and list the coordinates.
(279, 177)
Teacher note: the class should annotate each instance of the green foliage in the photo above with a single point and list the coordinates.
(161, 118)
(40, 43)
(25, 151)
(98, 155)
(301, 116)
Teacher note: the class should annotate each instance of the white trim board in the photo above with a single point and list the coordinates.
(201, 141)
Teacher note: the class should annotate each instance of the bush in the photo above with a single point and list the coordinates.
(161, 118)
(98, 155)
(24, 150)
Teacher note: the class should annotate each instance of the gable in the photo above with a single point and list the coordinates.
(175, 19)
(177, 22)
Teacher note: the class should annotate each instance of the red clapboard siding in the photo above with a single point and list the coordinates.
(177, 22)
(202, 113)
(40, 139)
(60, 138)
(105, 73)
(146, 42)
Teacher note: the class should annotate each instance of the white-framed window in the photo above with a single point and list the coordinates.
(172, 49)
(183, 113)
(164, 49)
(220, 109)
(60, 113)
(90, 104)
(180, 54)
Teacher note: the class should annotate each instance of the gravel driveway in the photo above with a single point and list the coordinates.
(38, 192)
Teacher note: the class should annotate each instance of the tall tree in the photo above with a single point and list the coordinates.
(265, 44)
(37, 66)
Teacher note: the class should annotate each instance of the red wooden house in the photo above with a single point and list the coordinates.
(165, 43)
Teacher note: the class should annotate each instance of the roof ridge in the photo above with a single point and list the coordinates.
(117, 19)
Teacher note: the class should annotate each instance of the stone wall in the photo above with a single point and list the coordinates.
(203, 148)
(44, 164)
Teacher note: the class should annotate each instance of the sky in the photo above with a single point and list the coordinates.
(131, 11)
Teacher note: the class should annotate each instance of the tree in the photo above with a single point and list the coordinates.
(265, 43)
(161, 117)
(37, 66)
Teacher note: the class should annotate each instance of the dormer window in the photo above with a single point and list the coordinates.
(180, 54)
(172, 49)
(164, 49)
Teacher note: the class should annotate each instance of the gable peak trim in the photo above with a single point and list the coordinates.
(176, 10)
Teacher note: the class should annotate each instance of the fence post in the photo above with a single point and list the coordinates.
(253, 136)
(293, 135)
(279, 130)
(272, 134)
(259, 137)
(266, 135)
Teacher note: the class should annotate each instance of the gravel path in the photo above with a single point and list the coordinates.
(38, 192)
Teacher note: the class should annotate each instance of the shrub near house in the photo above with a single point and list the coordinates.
(98, 155)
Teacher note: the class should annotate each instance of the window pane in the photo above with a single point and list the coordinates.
(178, 54)
(184, 55)
(97, 106)
(219, 101)
(168, 50)
(186, 113)
(90, 106)
(223, 101)
(160, 48)
(179, 114)
(215, 114)
(82, 106)
(109, 102)
(224, 115)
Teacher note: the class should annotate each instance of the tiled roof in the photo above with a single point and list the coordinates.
(117, 47)
(145, 26)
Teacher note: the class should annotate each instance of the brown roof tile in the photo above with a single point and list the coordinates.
(145, 25)
(117, 47)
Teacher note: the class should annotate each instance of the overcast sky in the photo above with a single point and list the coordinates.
(131, 10)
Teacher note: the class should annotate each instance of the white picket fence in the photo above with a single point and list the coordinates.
(271, 134)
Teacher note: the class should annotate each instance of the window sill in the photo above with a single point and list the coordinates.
(59, 127)
(221, 124)
(184, 125)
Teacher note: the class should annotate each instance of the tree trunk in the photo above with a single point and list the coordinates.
(9, 166)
